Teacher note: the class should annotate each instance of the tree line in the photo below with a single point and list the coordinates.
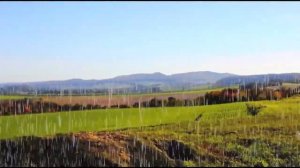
(249, 92)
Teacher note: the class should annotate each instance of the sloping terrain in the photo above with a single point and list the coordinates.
(221, 135)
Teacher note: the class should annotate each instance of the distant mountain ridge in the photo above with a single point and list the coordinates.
(200, 76)
(156, 79)
(146, 81)
(264, 78)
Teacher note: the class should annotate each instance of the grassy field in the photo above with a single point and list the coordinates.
(13, 97)
(231, 137)
(215, 135)
(103, 119)
(223, 116)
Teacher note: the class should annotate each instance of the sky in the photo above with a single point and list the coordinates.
(42, 41)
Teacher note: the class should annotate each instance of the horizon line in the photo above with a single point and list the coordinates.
(58, 80)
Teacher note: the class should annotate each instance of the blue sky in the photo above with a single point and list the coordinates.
(96, 40)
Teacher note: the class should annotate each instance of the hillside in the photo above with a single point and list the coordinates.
(226, 135)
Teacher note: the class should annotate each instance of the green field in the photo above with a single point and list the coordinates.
(109, 119)
(223, 135)
(103, 119)
(231, 137)
(13, 97)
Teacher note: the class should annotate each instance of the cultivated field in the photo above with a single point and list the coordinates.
(214, 135)
(102, 119)
(13, 97)
(127, 99)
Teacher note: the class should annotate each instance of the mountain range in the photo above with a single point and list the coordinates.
(142, 81)
(138, 81)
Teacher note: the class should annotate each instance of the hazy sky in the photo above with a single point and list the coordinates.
(96, 40)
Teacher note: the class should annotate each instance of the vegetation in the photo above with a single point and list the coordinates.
(234, 137)
(256, 133)
(94, 120)
(213, 135)
(13, 97)
(253, 92)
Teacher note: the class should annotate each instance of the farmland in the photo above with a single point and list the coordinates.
(114, 99)
(214, 135)
(105, 100)
(13, 97)
(102, 119)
